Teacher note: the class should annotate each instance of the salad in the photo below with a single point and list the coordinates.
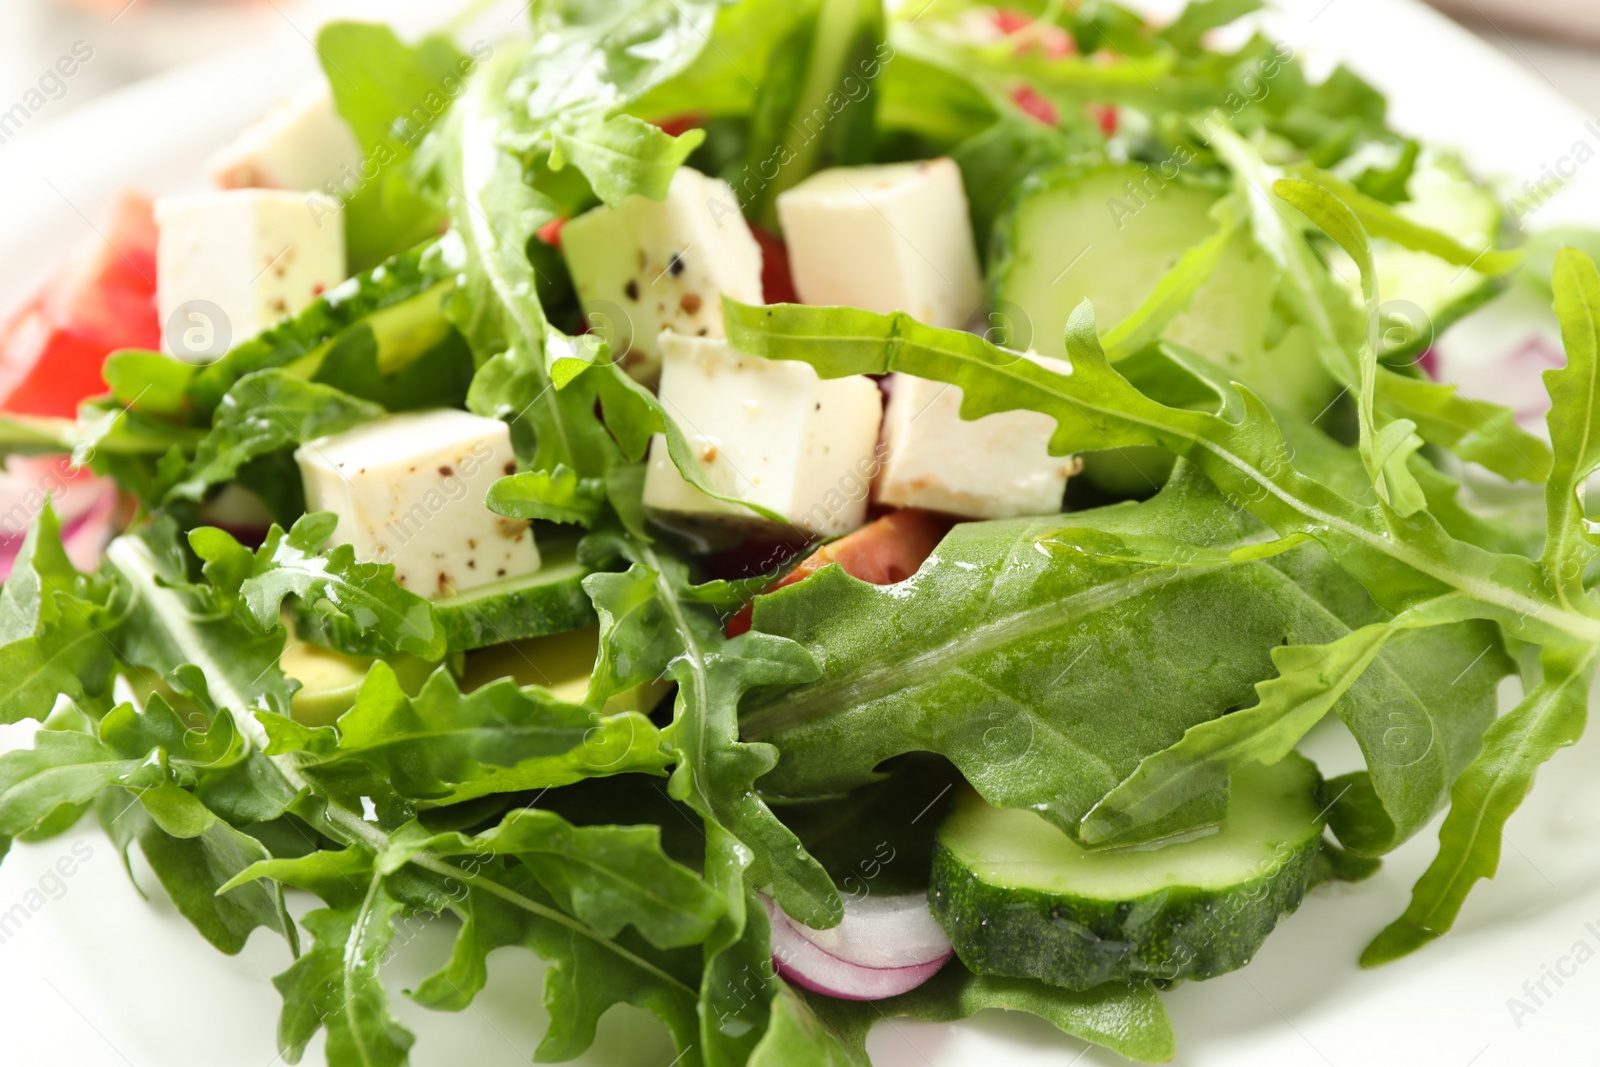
(795, 514)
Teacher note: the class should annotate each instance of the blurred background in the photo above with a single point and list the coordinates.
(1558, 40)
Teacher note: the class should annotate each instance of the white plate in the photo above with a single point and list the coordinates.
(93, 976)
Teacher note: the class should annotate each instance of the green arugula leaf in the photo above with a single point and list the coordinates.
(398, 301)
(52, 629)
(651, 622)
(815, 104)
(1045, 639)
(335, 985)
(558, 495)
(1199, 17)
(1416, 737)
(389, 93)
(1385, 449)
(335, 583)
(1129, 1020)
(445, 747)
(167, 621)
(1382, 221)
(1574, 404)
(1475, 430)
(264, 412)
(623, 156)
(1550, 717)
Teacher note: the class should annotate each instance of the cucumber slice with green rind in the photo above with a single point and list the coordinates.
(1019, 898)
(551, 600)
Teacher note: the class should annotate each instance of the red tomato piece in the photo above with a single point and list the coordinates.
(1105, 115)
(883, 552)
(102, 298)
(777, 283)
(550, 232)
(675, 125)
(1029, 100)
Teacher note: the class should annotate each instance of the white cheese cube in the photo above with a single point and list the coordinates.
(895, 237)
(768, 431)
(645, 266)
(409, 490)
(299, 143)
(231, 264)
(996, 467)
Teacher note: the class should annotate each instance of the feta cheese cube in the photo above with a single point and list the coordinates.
(231, 264)
(645, 266)
(298, 143)
(768, 431)
(409, 490)
(894, 237)
(996, 467)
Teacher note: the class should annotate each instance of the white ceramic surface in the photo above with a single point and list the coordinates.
(96, 977)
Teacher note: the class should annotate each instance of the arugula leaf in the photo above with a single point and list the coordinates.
(1550, 717)
(52, 629)
(336, 583)
(587, 973)
(1416, 738)
(1075, 653)
(558, 495)
(445, 747)
(1574, 403)
(1475, 430)
(616, 876)
(167, 621)
(1386, 449)
(1382, 221)
(397, 301)
(649, 623)
(1199, 17)
(1129, 1020)
(335, 985)
(389, 94)
(264, 412)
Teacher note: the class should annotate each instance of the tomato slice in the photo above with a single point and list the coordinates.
(1034, 104)
(882, 552)
(102, 298)
(550, 232)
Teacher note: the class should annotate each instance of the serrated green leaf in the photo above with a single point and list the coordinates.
(1574, 433)
(334, 582)
(264, 412)
(446, 747)
(558, 495)
(1549, 718)
(1385, 448)
(1129, 1020)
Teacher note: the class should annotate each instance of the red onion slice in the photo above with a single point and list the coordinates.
(885, 946)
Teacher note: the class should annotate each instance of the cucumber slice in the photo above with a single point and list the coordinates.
(1019, 898)
(551, 600)
(1071, 236)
